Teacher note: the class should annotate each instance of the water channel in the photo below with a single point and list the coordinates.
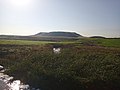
(7, 82)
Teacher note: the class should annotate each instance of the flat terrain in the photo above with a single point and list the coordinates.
(23, 42)
(81, 41)
(101, 42)
(84, 64)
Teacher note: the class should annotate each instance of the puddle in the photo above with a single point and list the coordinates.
(7, 83)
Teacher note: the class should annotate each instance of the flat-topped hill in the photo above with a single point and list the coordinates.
(58, 34)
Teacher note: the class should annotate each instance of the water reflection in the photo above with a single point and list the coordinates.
(3, 86)
(15, 85)
(7, 84)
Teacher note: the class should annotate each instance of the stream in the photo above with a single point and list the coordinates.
(7, 82)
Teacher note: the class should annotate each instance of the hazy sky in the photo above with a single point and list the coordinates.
(86, 17)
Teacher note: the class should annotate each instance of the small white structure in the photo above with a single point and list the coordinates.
(56, 50)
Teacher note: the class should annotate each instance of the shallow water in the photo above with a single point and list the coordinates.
(3, 85)
(7, 83)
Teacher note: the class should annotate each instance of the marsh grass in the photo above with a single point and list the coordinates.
(77, 67)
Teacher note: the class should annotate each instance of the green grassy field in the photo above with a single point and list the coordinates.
(111, 42)
(101, 42)
(86, 64)
(82, 41)
(23, 42)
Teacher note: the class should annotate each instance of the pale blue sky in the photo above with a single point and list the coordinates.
(86, 17)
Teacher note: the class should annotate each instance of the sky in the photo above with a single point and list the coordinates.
(86, 17)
